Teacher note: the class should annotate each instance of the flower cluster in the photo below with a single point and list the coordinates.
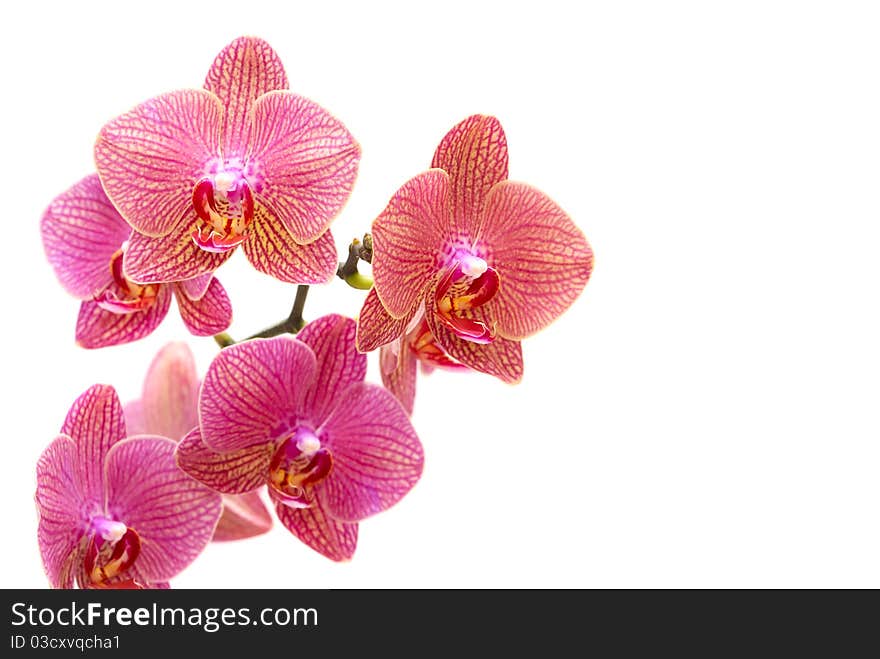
(465, 264)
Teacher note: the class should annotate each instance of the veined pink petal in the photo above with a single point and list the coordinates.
(81, 231)
(307, 160)
(174, 257)
(335, 540)
(474, 153)
(408, 241)
(150, 158)
(501, 358)
(377, 456)
(271, 250)
(401, 380)
(173, 514)
(196, 287)
(253, 392)
(376, 327)
(134, 418)
(234, 472)
(543, 258)
(62, 513)
(170, 395)
(244, 516)
(99, 328)
(339, 364)
(209, 315)
(94, 422)
(242, 72)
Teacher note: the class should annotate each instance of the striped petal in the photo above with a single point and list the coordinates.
(307, 161)
(377, 456)
(408, 241)
(95, 422)
(196, 287)
(150, 158)
(501, 358)
(81, 231)
(99, 328)
(333, 539)
(253, 392)
(234, 472)
(169, 401)
(173, 514)
(174, 257)
(474, 153)
(400, 380)
(61, 518)
(242, 72)
(244, 516)
(210, 314)
(338, 363)
(376, 327)
(271, 250)
(544, 260)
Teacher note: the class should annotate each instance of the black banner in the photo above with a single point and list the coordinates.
(418, 622)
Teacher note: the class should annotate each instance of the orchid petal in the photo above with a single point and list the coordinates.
(376, 327)
(61, 518)
(134, 417)
(501, 358)
(173, 514)
(209, 315)
(244, 516)
(252, 392)
(95, 422)
(150, 158)
(243, 71)
(544, 259)
(196, 287)
(377, 456)
(234, 472)
(401, 380)
(339, 364)
(170, 395)
(408, 240)
(333, 539)
(271, 250)
(81, 230)
(474, 153)
(307, 160)
(99, 328)
(174, 257)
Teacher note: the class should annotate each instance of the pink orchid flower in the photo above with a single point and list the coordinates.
(84, 238)
(243, 161)
(169, 407)
(295, 413)
(116, 512)
(486, 261)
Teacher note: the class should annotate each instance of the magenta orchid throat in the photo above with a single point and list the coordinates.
(465, 265)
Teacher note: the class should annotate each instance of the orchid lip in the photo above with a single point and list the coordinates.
(112, 549)
(468, 284)
(299, 463)
(224, 205)
(135, 297)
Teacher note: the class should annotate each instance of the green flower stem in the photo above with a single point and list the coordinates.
(294, 322)
(348, 271)
(224, 340)
(291, 325)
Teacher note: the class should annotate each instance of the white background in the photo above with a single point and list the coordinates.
(706, 414)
